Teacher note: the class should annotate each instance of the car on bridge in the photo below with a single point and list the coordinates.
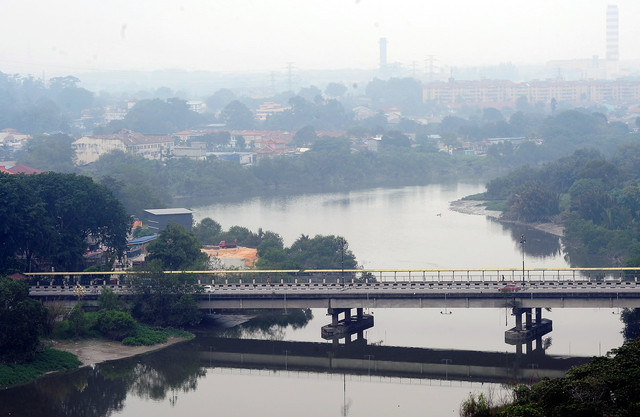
(510, 288)
(208, 288)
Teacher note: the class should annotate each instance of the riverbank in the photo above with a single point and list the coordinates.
(93, 351)
(477, 207)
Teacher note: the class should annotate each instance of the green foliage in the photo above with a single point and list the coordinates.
(57, 215)
(108, 300)
(157, 117)
(50, 153)
(605, 386)
(42, 363)
(236, 115)
(319, 252)
(115, 325)
(532, 202)
(77, 319)
(177, 249)
(148, 335)
(599, 199)
(133, 180)
(328, 252)
(473, 407)
(22, 321)
(208, 231)
(165, 299)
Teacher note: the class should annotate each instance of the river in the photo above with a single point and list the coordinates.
(414, 361)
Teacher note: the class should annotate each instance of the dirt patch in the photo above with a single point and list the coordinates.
(93, 351)
(477, 207)
(248, 255)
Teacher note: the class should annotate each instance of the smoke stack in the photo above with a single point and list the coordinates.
(383, 52)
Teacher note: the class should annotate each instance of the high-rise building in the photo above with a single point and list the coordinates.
(383, 53)
(612, 33)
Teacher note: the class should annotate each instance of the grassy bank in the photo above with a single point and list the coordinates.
(44, 362)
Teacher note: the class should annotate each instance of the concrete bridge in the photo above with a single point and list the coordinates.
(526, 292)
(386, 288)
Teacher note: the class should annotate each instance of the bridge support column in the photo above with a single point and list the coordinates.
(532, 330)
(518, 314)
(348, 325)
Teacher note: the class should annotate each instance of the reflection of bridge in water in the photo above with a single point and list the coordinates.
(360, 358)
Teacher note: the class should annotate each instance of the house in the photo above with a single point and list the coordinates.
(197, 150)
(10, 168)
(13, 140)
(89, 149)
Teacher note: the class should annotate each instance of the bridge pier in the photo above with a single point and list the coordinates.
(532, 330)
(349, 325)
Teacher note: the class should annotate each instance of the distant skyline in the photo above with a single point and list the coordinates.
(77, 36)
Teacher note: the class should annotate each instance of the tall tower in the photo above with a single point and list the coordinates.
(612, 33)
(383, 53)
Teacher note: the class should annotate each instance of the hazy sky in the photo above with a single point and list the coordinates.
(69, 36)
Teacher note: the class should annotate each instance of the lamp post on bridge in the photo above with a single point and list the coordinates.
(342, 259)
(523, 240)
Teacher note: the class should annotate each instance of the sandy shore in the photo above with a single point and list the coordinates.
(93, 351)
(477, 207)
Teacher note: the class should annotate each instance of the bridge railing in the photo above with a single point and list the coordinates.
(92, 280)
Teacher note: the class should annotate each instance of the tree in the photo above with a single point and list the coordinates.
(219, 99)
(50, 153)
(305, 136)
(395, 138)
(77, 319)
(215, 140)
(158, 117)
(236, 115)
(77, 209)
(177, 249)
(335, 90)
(22, 321)
(322, 252)
(208, 231)
(55, 217)
(310, 93)
(165, 299)
(108, 300)
(533, 202)
(115, 325)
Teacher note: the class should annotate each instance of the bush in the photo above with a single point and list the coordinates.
(115, 325)
(147, 335)
(47, 361)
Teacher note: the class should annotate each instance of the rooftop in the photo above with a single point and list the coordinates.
(164, 212)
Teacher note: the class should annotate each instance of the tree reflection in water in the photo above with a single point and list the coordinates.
(631, 319)
(539, 244)
(270, 324)
(100, 390)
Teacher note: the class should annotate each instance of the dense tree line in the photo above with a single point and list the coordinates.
(329, 166)
(595, 198)
(28, 105)
(49, 220)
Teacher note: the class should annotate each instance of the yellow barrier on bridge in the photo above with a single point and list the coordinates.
(366, 275)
